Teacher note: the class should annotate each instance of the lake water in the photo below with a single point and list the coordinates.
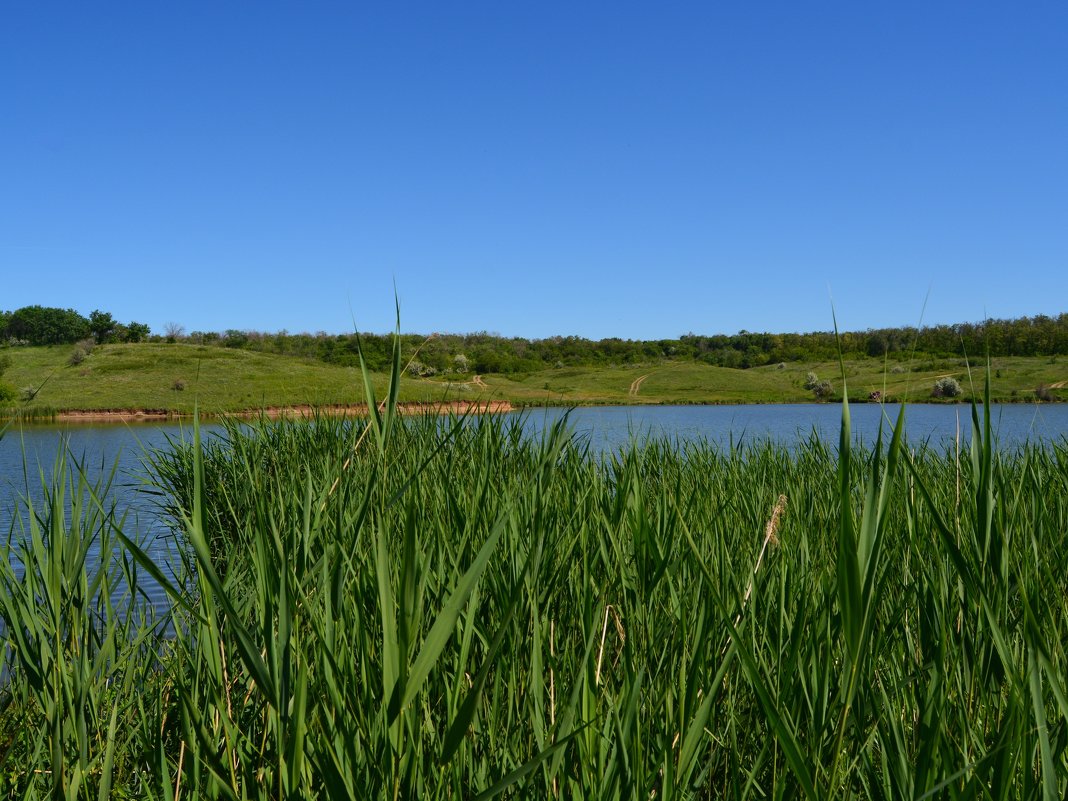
(28, 453)
(28, 457)
(611, 427)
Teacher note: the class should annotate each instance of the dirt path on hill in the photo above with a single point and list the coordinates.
(1059, 385)
(636, 384)
(277, 412)
(478, 382)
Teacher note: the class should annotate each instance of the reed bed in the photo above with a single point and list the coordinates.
(456, 609)
(28, 414)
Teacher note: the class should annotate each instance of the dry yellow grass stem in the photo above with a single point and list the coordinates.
(771, 537)
(604, 630)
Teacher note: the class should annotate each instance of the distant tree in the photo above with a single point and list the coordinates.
(103, 326)
(488, 361)
(235, 339)
(878, 344)
(173, 331)
(136, 332)
(279, 341)
(42, 325)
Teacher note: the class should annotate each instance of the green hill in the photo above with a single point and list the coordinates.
(175, 376)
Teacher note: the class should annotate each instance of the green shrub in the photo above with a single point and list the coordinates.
(946, 387)
(820, 388)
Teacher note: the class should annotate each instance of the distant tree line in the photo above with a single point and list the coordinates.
(483, 352)
(45, 325)
(490, 353)
(1024, 336)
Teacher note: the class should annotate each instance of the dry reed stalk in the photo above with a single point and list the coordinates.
(181, 760)
(771, 532)
(552, 685)
(604, 630)
(226, 680)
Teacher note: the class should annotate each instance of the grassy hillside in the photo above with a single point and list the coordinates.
(1013, 379)
(174, 376)
(146, 376)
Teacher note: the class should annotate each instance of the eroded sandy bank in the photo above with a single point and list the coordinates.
(277, 412)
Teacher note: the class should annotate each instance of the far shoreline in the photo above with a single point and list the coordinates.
(295, 412)
(357, 410)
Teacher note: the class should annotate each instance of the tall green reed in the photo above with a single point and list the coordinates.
(80, 652)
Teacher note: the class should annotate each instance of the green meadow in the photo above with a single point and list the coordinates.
(1013, 379)
(178, 376)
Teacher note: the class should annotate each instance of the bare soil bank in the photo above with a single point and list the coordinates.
(278, 412)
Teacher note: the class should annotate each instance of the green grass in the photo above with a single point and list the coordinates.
(1013, 379)
(450, 609)
(143, 376)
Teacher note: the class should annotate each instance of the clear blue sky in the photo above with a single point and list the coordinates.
(612, 169)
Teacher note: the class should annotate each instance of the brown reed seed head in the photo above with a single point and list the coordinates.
(772, 529)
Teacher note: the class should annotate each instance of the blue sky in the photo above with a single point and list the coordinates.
(600, 169)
